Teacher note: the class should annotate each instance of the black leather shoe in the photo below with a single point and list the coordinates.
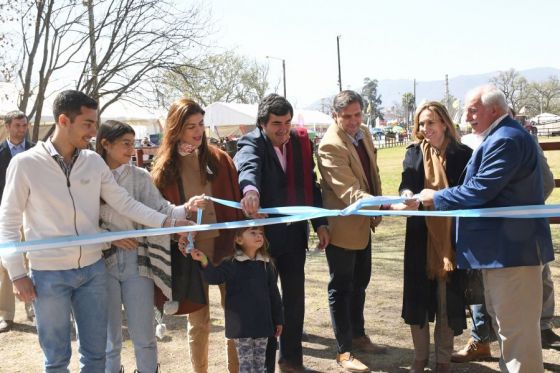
(549, 339)
(6, 326)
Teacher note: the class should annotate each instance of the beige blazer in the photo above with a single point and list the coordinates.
(344, 182)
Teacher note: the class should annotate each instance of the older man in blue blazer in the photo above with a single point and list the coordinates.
(503, 171)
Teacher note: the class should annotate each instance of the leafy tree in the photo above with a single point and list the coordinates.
(225, 77)
(408, 102)
(372, 101)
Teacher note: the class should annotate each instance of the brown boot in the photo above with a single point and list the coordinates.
(365, 344)
(473, 351)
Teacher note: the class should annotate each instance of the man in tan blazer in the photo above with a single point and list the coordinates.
(348, 164)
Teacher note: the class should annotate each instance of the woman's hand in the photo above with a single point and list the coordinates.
(195, 203)
(410, 203)
(126, 244)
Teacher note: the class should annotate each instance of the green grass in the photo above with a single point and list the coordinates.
(389, 161)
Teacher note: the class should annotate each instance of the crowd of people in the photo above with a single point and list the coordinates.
(61, 188)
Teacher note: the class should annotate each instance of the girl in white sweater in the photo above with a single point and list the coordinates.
(133, 263)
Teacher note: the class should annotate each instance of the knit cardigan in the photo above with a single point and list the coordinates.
(153, 252)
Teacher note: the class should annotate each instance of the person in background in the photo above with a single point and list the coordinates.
(130, 276)
(186, 166)
(432, 286)
(16, 124)
(253, 308)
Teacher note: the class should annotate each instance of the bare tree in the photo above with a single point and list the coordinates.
(121, 45)
(225, 77)
(544, 96)
(514, 87)
(132, 42)
(50, 42)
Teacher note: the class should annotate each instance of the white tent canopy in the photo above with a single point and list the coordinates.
(230, 114)
(144, 120)
(227, 119)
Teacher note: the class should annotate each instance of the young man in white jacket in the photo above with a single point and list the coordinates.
(55, 190)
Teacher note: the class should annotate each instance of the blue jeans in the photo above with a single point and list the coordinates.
(482, 330)
(126, 287)
(83, 292)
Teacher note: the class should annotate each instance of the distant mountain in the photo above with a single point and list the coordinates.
(391, 90)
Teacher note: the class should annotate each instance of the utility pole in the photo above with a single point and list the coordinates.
(92, 52)
(338, 53)
(284, 76)
(414, 93)
(446, 92)
(283, 70)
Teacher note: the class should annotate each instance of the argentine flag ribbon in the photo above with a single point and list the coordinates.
(289, 214)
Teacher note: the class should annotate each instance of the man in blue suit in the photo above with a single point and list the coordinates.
(276, 168)
(16, 124)
(503, 171)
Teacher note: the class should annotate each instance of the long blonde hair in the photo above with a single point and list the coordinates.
(166, 166)
(440, 110)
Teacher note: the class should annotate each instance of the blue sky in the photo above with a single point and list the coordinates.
(395, 39)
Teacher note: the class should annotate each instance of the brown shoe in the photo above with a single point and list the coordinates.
(418, 366)
(350, 364)
(6, 326)
(365, 344)
(473, 351)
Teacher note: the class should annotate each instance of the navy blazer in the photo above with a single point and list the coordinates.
(258, 165)
(5, 158)
(504, 171)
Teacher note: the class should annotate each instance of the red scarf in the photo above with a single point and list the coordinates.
(299, 168)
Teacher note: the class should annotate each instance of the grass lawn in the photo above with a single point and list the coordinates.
(20, 352)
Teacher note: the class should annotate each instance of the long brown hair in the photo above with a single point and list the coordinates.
(166, 168)
(440, 110)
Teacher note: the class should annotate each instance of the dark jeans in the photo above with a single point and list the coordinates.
(482, 330)
(350, 271)
(290, 268)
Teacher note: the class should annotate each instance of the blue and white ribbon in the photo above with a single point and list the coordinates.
(290, 214)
